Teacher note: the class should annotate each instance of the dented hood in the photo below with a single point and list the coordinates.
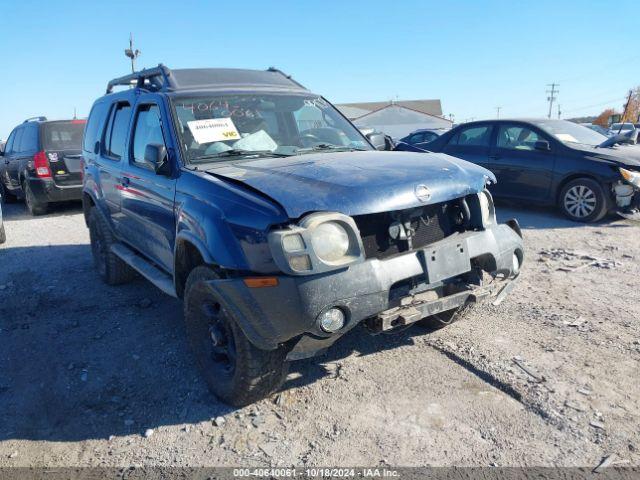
(356, 183)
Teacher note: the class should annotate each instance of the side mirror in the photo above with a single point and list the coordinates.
(378, 140)
(155, 155)
(542, 145)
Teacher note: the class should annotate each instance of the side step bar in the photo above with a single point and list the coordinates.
(160, 279)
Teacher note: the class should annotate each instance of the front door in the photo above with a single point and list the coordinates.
(148, 197)
(523, 171)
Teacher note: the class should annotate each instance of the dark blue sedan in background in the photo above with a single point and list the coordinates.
(549, 162)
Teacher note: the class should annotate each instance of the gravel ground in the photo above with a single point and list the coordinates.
(92, 375)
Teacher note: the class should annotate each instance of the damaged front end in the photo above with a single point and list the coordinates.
(384, 269)
(627, 194)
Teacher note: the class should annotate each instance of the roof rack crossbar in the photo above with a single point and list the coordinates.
(35, 119)
(288, 77)
(143, 75)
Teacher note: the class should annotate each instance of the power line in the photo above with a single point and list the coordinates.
(608, 102)
(551, 98)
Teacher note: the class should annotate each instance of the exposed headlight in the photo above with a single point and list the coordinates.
(330, 241)
(486, 208)
(321, 242)
(630, 176)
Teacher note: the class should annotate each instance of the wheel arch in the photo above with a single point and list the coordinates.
(189, 253)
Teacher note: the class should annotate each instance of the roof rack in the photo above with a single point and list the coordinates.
(35, 119)
(288, 77)
(147, 77)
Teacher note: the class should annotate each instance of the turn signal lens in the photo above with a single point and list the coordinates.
(261, 282)
(300, 263)
(293, 243)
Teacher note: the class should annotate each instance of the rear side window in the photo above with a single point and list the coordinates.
(148, 130)
(63, 135)
(29, 141)
(9, 146)
(17, 141)
(93, 127)
(116, 135)
(472, 137)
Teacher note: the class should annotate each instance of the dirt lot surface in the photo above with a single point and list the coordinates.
(97, 375)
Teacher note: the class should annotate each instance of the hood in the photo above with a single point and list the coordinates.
(356, 183)
(621, 155)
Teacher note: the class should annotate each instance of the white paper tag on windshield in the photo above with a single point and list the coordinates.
(213, 130)
(565, 137)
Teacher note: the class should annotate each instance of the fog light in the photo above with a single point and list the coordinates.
(516, 263)
(332, 320)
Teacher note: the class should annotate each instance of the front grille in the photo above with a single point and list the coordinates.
(428, 224)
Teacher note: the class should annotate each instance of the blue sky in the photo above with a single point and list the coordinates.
(474, 56)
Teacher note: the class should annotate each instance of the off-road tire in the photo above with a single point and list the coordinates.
(3, 234)
(111, 268)
(34, 206)
(254, 373)
(7, 197)
(593, 191)
(444, 319)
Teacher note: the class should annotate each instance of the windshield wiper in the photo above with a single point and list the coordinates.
(236, 152)
(328, 146)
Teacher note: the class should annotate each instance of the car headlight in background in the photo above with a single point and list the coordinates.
(487, 210)
(630, 176)
(319, 243)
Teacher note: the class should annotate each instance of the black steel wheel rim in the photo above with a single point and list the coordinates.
(222, 348)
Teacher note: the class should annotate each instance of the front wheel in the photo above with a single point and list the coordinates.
(583, 200)
(235, 370)
(3, 234)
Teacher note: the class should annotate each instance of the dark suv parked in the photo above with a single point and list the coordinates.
(277, 221)
(41, 163)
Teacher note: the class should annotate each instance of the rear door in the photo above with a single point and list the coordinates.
(471, 143)
(112, 148)
(522, 171)
(148, 218)
(62, 144)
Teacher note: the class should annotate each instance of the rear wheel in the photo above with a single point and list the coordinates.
(235, 370)
(35, 206)
(583, 200)
(111, 268)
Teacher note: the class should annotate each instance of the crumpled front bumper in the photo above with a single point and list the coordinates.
(270, 316)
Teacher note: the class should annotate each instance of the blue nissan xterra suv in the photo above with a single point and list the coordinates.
(277, 222)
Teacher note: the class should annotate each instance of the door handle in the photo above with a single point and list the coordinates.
(125, 181)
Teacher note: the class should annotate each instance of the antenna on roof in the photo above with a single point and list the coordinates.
(132, 53)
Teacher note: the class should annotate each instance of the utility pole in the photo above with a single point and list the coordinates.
(559, 111)
(498, 112)
(551, 98)
(626, 108)
(75, 115)
(132, 53)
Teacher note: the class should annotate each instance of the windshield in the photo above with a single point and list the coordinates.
(220, 126)
(625, 126)
(63, 135)
(569, 132)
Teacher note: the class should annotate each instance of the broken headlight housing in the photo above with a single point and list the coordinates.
(487, 209)
(319, 243)
(630, 176)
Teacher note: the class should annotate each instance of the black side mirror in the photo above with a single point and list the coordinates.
(542, 145)
(378, 140)
(155, 155)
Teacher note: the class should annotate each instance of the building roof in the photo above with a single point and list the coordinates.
(430, 107)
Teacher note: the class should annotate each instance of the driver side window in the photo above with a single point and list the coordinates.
(148, 129)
